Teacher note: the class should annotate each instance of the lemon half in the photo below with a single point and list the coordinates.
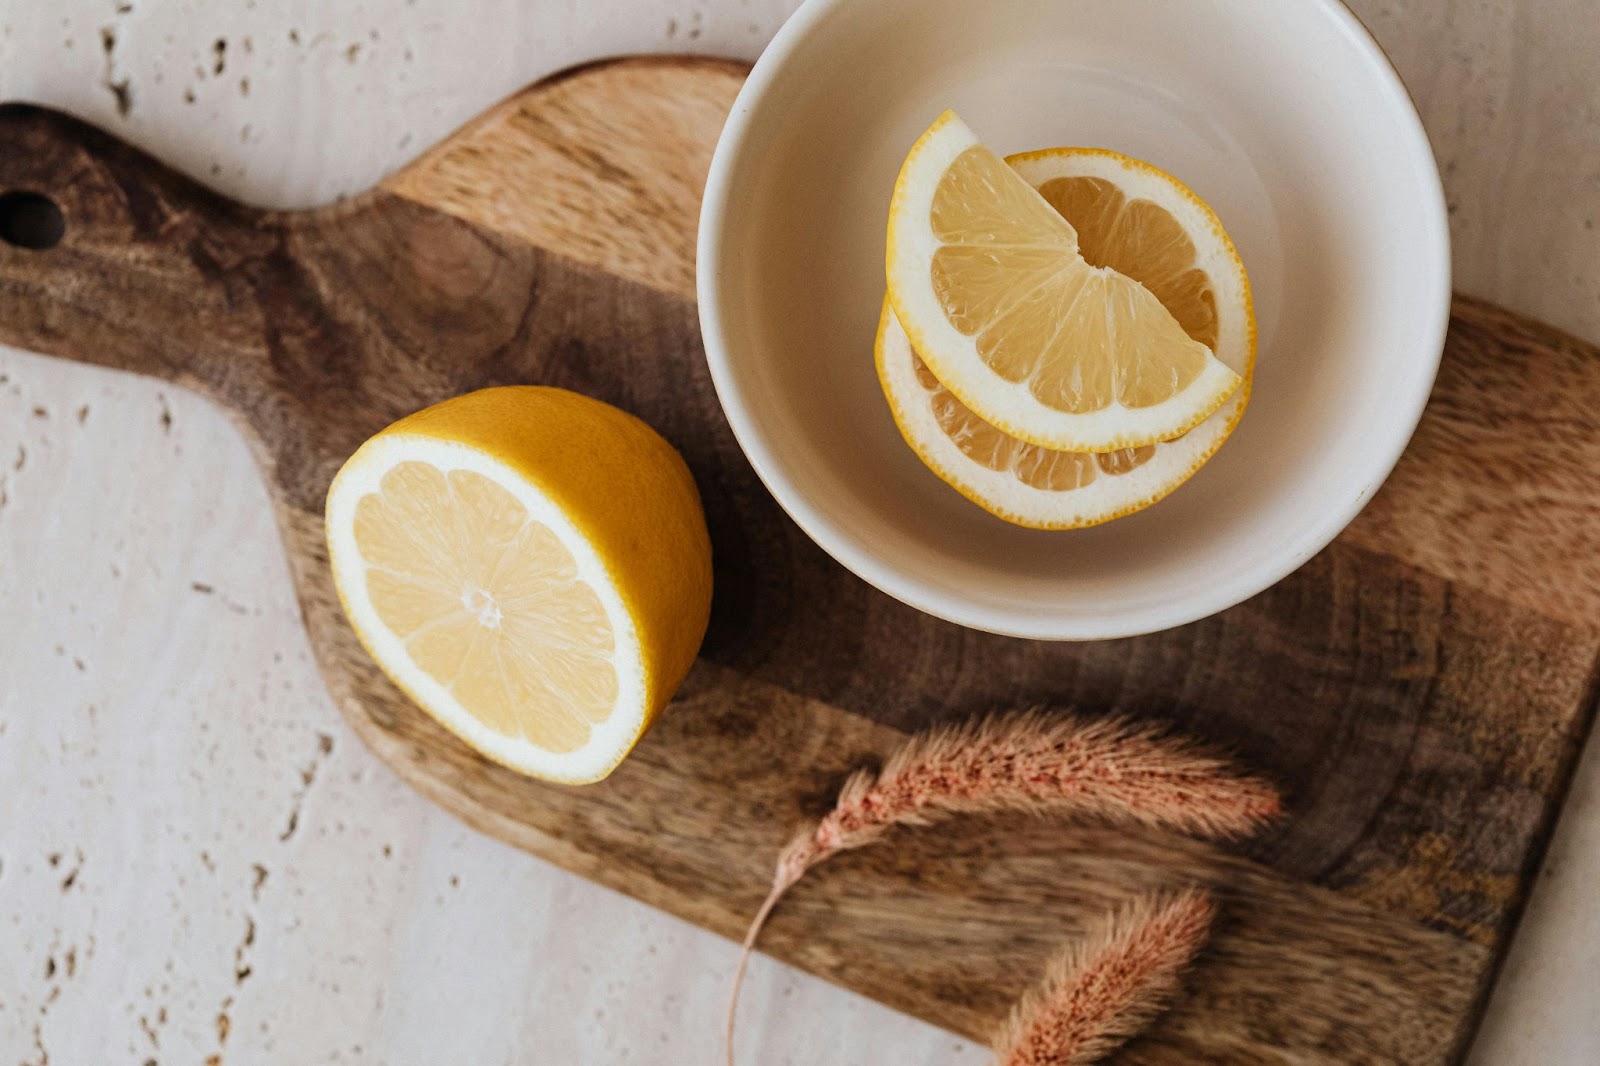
(531, 567)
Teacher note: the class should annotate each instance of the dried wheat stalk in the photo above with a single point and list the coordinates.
(1109, 768)
(1107, 985)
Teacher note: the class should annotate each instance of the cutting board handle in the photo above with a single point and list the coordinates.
(89, 225)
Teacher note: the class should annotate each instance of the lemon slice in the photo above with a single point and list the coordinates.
(992, 287)
(1027, 485)
(1126, 215)
(531, 567)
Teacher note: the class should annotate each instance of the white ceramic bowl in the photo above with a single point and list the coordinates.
(1283, 114)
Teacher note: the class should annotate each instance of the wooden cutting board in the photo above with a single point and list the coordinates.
(1421, 688)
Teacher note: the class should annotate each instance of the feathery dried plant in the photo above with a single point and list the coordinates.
(1107, 985)
(1108, 768)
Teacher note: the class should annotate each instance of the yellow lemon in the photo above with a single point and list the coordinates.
(531, 566)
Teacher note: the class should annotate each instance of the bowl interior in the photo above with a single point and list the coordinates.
(1280, 113)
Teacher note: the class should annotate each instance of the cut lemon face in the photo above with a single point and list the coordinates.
(1126, 215)
(531, 567)
(993, 288)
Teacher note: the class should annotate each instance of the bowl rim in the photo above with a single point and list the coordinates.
(845, 548)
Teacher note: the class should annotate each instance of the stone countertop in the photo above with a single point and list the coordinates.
(200, 864)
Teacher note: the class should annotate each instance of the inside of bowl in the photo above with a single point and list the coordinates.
(1282, 116)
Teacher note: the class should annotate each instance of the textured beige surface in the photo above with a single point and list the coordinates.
(161, 724)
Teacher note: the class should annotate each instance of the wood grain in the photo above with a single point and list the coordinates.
(618, 189)
(1497, 488)
(1420, 688)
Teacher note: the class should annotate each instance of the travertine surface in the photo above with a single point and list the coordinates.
(197, 859)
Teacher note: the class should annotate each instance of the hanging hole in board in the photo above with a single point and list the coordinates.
(31, 220)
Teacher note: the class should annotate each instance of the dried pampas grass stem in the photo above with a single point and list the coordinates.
(1107, 985)
(1108, 768)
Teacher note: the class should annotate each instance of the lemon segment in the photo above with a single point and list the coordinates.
(1138, 220)
(531, 567)
(993, 289)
